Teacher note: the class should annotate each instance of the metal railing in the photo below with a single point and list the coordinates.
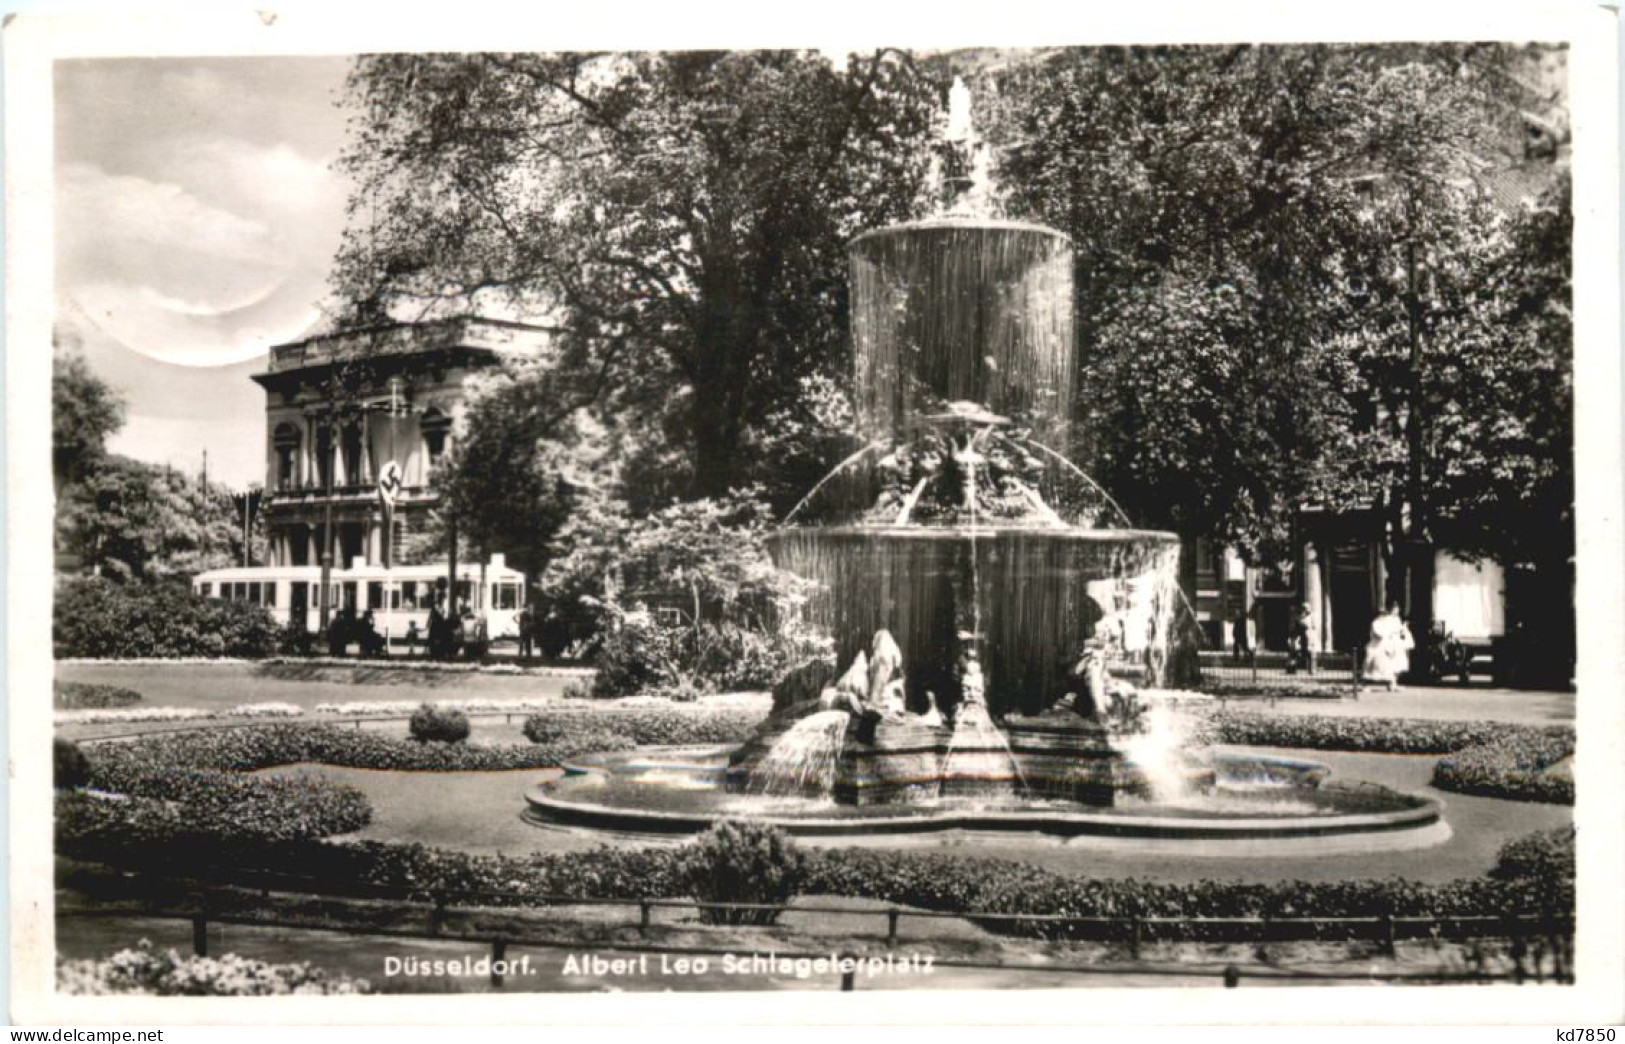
(1137, 932)
(205, 897)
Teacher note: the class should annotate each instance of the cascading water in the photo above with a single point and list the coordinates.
(802, 761)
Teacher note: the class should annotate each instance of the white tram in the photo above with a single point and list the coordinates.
(398, 597)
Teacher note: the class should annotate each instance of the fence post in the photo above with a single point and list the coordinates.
(1357, 669)
(1134, 936)
(1252, 657)
(1388, 934)
(849, 974)
(643, 917)
(200, 935)
(499, 957)
(891, 926)
(438, 916)
(1232, 976)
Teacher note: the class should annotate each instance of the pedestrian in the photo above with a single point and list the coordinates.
(412, 639)
(437, 633)
(456, 634)
(1300, 646)
(525, 633)
(1388, 653)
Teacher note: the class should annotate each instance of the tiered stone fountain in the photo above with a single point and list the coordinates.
(975, 595)
(962, 569)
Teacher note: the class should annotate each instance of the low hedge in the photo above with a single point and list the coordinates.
(1512, 767)
(1487, 758)
(212, 811)
(68, 695)
(647, 724)
(263, 746)
(1533, 876)
(1370, 735)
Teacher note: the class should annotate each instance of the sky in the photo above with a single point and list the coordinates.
(197, 215)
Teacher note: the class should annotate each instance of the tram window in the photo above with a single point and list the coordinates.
(270, 594)
(349, 595)
(465, 591)
(206, 590)
(375, 594)
(506, 596)
(409, 594)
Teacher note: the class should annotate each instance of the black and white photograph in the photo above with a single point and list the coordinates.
(1130, 516)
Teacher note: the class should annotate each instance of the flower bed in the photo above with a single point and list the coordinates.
(168, 974)
(397, 663)
(1512, 767)
(150, 714)
(84, 696)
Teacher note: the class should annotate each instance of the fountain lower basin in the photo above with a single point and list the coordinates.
(683, 790)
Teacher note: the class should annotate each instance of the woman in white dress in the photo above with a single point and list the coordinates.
(1388, 654)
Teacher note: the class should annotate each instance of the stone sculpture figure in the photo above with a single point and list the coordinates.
(886, 692)
(849, 690)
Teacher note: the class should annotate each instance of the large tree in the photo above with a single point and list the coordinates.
(1291, 288)
(681, 216)
(130, 520)
(85, 412)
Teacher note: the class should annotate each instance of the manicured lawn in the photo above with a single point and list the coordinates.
(227, 685)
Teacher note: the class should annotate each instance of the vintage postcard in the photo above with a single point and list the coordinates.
(546, 521)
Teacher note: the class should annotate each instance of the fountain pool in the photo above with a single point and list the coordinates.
(682, 790)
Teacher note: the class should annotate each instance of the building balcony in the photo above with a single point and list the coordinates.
(294, 496)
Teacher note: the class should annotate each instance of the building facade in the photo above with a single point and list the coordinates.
(345, 414)
(327, 448)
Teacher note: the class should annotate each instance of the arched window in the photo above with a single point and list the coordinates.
(436, 426)
(324, 456)
(285, 442)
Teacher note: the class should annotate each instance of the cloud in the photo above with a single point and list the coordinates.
(208, 268)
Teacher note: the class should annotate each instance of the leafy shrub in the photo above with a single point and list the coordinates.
(1548, 854)
(68, 695)
(744, 862)
(583, 738)
(168, 974)
(1512, 766)
(636, 655)
(69, 767)
(439, 725)
(295, 639)
(162, 619)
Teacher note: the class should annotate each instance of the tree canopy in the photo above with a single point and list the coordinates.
(683, 216)
(1260, 233)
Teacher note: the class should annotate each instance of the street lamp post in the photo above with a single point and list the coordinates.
(326, 596)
